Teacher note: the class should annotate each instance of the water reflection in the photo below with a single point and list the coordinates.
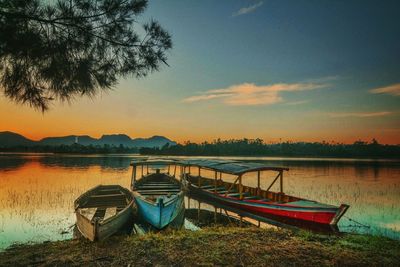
(37, 191)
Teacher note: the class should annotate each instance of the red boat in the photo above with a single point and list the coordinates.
(254, 200)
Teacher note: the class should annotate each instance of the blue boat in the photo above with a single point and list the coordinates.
(159, 195)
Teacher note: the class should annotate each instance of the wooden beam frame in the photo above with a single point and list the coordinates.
(273, 182)
(232, 185)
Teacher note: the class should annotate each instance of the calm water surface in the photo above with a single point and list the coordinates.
(37, 191)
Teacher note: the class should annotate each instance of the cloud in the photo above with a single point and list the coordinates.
(393, 89)
(294, 103)
(250, 94)
(359, 114)
(247, 10)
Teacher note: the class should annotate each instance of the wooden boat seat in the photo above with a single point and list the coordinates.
(157, 186)
(158, 194)
(88, 212)
(218, 189)
(110, 212)
(158, 183)
(118, 200)
(108, 191)
(252, 198)
(238, 194)
(206, 186)
(158, 191)
(108, 195)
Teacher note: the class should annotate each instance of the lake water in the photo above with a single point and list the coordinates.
(37, 191)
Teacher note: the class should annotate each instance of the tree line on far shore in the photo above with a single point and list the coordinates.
(257, 147)
(73, 149)
(232, 147)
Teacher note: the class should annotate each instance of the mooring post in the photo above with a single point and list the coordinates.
(198, 212)
(281, 174)
(199, 177)
(240, 187)
(215, 181)
(133, 177)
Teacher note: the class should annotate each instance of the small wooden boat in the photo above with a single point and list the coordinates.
(159, 196)
(254, 200)
(102, 211)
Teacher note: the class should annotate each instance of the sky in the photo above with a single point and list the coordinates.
(273, 69)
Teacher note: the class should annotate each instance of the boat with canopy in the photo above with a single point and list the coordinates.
(255, 200)
(159, 195)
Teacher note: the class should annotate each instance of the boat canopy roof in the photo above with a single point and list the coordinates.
(229, 166)
(154, 161)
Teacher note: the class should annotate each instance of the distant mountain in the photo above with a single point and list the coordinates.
(116, 140)
(10, 139)
(154, 141)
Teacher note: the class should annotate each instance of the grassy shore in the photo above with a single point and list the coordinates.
(212, 246)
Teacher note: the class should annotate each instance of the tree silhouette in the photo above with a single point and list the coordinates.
(68, 48)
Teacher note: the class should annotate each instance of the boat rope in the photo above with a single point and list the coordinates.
(356, 222)
(67, 230)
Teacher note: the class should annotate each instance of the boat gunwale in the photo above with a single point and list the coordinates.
(155, 203)
(102, 222)
(269, 203)
(135, 192)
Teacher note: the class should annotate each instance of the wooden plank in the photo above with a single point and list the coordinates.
(158, 186)
(88, 212)
(110, 212)
(108, 195)
(151, 190)
(156, 183)
(207, 186)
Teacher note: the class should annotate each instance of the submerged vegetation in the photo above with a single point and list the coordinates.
(213, 246)
(257, 147)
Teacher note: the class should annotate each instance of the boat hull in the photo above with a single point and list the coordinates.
(97, 230)
(102, 230)
(325, 216)
(159, 214)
